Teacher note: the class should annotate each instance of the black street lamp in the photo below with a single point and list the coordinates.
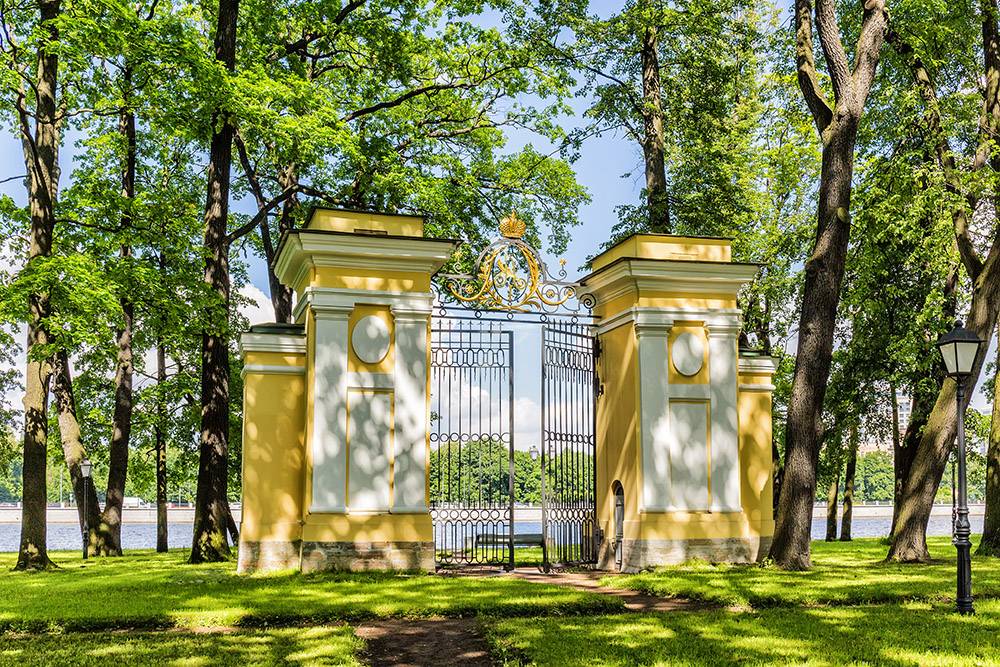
(85, 469)
(960, 348)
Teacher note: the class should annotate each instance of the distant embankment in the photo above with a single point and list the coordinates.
(129, 515)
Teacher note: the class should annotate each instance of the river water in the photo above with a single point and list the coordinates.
(64, 536)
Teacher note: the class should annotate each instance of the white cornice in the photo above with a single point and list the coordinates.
(650, 318)
(407, 304)
(272, 369)
(663, 275)
(757, 366)
(266, 342)
(304, 249)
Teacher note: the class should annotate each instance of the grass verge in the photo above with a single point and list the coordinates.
(323, 645)
(843, 573)
(914, 633)
(148, 590)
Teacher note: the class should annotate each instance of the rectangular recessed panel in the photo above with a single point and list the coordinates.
(370, 450)
(689, 442)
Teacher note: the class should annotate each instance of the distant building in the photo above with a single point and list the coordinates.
(876, 433)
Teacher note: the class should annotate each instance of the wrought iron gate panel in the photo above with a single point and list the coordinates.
(569, 479)
(472, 455)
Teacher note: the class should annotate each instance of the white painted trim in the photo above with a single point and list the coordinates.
(328, 439)
(691, 277)
(370, 434)
(399, 509)
(412, 413)
(331, 298)
(757, 387)
(328, 509)
(266, 342)
(725, 443)
(272, 369)
(654, 431)
(365, 380)
(700, 392)
(758, 365)
(719, 319)
(305, 249)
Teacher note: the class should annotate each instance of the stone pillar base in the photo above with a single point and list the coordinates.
(268, 556)
(360, 556)
(644, 554)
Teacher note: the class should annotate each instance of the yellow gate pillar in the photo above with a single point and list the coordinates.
(683, 421)
(336, 416)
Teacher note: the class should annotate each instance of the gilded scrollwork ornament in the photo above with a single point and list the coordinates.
(511, 275)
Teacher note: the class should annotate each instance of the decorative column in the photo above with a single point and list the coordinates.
(364, 302)
(673, 428)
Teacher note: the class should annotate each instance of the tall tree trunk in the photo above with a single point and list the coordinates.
(42, 162)
(211, 505)
(281, 295)
(652, 145)
(824, 274)
(161, 447)
(121, 433)
(921, 405)
(831, 506)
(989, 545)
(777, 474)
(849, 472)
(74, 453)
(909, 541)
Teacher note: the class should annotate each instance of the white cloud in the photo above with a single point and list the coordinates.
(260, 310)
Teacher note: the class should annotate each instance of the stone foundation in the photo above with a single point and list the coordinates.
(644, 554)
(360, 556)
(268, 556)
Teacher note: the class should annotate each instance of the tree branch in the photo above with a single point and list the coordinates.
(834, 52)
(805, 65)
(874, 26)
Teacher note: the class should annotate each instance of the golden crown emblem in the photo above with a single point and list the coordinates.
(512, 226)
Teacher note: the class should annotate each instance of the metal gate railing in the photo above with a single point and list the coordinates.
(472, 446)
(569, 477)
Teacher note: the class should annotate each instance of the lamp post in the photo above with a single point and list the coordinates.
(959, 349)
(85, 469)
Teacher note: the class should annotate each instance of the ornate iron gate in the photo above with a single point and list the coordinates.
(569, 491)
(472, 467)
(472, 443)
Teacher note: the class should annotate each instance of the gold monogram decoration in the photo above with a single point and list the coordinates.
(510, 275)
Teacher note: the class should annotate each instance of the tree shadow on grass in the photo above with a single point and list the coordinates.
(156, 591)
(315, 645)
(887, 635)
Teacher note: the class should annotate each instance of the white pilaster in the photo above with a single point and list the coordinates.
(412, 416)
(655, 425)
(328, 439)
(725, 448)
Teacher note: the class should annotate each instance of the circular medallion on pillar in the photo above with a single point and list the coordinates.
(370, 339)
(687, 354)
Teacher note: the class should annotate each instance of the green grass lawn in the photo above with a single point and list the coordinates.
(916, 633)
(851, 608)
(321, 645)
(148, 590)
(842, 573)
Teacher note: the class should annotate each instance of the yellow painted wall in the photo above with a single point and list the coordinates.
(658, 246)
(756, 463)
(367, 280)
(273, 450)
(368, 528)
(361, 222)
(617, 429)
